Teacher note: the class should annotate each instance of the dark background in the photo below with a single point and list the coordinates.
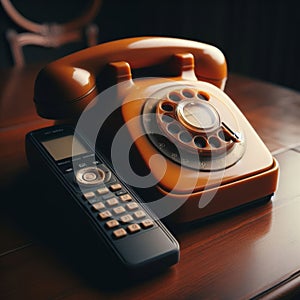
(259, 38)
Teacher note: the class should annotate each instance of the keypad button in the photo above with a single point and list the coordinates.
(89, 176)
(147, 223)
(115, 187)
(132, 206)
(126, 197)
(98, 206)
(103, 191)
(121, 192)
(119, 210)
(112, 224)
(120, 233)
(112, 201)
(132, 228)
(68, 170)
(126, 218)
(105, 214)
(139, 214)
(89, 195)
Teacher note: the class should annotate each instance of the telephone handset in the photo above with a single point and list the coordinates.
(204, 156)
(65, 87)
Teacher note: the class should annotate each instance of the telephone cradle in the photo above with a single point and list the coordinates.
(202, 155)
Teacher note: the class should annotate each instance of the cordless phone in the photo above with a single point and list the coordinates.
(134, 236)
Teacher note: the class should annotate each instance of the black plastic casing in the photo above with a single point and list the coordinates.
(150, 250)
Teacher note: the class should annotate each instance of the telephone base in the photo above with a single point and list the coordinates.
(226, 198)
(230, 213)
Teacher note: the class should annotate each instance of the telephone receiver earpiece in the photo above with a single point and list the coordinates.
(64, 87)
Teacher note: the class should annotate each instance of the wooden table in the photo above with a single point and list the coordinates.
(253, 253)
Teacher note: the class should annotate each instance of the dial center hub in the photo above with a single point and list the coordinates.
(198, 115)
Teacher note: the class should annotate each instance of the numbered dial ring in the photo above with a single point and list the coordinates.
(193, 126)
(187, 117)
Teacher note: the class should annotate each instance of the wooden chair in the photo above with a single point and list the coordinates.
(50, 35)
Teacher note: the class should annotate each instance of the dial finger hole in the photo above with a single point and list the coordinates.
(173, 128)
(188, 93)
(185, 136)
(166, 106)
(200, 142)
(202, 96)
(225, 136)
(174, 96)
(167, 119)
(214, 142)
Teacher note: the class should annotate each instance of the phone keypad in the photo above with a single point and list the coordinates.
(117, 210)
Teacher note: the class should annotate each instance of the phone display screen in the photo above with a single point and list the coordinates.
(64, 147)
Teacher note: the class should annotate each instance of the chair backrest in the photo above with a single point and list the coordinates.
(50, 35)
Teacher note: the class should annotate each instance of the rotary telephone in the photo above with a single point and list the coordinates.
(185, 135)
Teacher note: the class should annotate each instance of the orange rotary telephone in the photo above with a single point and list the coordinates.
(186, 136)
